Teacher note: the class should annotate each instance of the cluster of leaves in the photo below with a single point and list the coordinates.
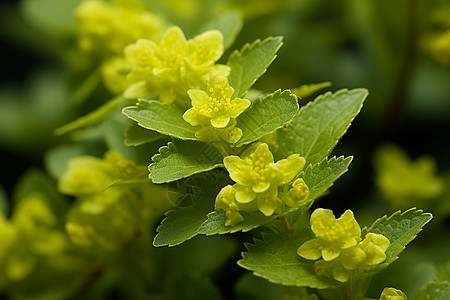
(140, 178)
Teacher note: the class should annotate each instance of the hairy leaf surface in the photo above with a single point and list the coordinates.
(321, 176)
(400, 228)
(136, 135)
(161, 117)
(251, 62)
(275, 259)
(266, 115)
(319, 125)
(180, 159)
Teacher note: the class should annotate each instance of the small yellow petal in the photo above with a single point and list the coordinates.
(174, 41)
(330, 253)
(198, 97)
(244, 194)
(237, 106)
(192, 117)
(310, 249)
(220, 121)
(261, 187)
(269, 202)
(206, 48)
(288, 168)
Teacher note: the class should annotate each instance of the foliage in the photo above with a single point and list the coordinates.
(167, 139)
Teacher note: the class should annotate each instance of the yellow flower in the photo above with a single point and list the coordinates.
(333, 269)
(392, 294)
(369, 252)
(256, 171)
(297, 194)
(107, 28)
(114, 74)
(215, 104)
(173, 66)
(88, 174)
(339, 243)
(226, 200)
(375, 246)
(332, 235)
(257, 179)
(404, 182)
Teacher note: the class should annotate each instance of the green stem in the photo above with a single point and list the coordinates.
(86, 88)
(225, 148)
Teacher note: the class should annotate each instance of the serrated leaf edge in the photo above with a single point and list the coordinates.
(277, 93)
(332, 96)
(254, 244)
(167, 215)
(171, 149)
(250, 46)
(193, 138)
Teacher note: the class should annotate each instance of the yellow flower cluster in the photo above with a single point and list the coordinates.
(106, 28)
(28, 238)
(214, 110)
(338, 243)
(88, 177)
(404, 182)
(115, 186)
(258, 179)
(168, 69)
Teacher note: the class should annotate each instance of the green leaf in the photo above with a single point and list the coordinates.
(191, 286)
(55, 17)
(251, 62)
(182, 223)
(266, 115)
(275, 259)
(91, 118)
(319, 125)
(113, 130)
(161, 117)
(439, 290)
(308, 89)
(180, 159)
(135, 135)
(400, 229)
(230, 24)
(321, 176)
(57, 158)
(215, 224)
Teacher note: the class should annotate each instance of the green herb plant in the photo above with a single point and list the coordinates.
(190, 148)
